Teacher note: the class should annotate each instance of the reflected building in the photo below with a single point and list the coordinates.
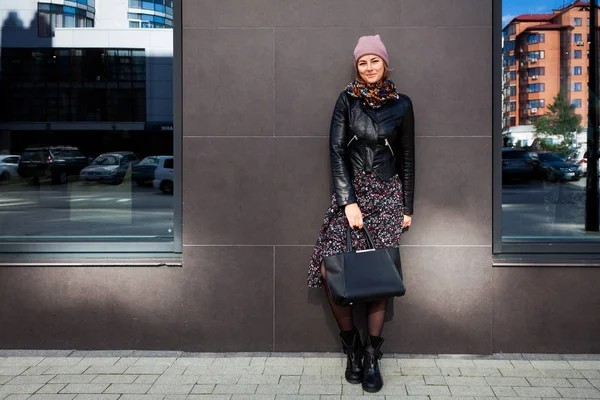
(87, 73)
(544, 54)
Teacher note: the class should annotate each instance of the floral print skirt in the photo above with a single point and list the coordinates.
(381, 204)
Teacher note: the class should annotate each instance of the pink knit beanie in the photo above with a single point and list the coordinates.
(370, 45)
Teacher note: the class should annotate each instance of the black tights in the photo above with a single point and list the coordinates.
(343, 314)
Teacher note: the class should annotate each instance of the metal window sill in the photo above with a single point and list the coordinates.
(546, 260)
(91, 260)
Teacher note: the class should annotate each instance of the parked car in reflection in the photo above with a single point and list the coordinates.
(109, 167)
(555, 167)
(163, 175)
(143, 172)
(8, 167)
(517, 164)
(55, 162)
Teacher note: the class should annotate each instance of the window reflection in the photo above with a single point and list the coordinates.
(544, 122)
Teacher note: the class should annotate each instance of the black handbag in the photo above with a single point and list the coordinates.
(364, 275)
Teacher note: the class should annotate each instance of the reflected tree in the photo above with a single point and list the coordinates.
(560, 122)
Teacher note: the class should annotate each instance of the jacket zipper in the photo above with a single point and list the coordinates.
(352, 140)
(390, 147)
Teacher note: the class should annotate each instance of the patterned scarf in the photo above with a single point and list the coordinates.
(373, 94)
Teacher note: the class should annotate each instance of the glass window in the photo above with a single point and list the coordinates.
(545, 203)
(91, 122)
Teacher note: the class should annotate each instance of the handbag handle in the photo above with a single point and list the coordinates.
(349, 239)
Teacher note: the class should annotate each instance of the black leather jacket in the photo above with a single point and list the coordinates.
(365, 139)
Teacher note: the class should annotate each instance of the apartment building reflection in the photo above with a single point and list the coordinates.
(544, 54)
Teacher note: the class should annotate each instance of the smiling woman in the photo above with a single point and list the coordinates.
(545, 114)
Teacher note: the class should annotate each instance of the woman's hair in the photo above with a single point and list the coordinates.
(384, 77)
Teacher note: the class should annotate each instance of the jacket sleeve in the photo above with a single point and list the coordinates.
(342, 184)
(406, 163)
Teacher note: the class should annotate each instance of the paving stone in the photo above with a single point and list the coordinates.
(203, 389)
(325, 371)
(66, 370)
(106, 369)
(175, 397)
(320, 389)
(285, 388)
(264, 379)
(97, 396)
(152, 361)
(21, 361)
(465, 381)
(551, 364)
(585, 364)
(450, 371)
(115, 378)
(284, 370)
(285, 362)
(35, 371)
(59, 361)
(560, 373)
(176, 380)
(297, 397)
(471, 391)
(504, 391)
(107, 361)
(402, 397)
(293, 379)
(314, 370)
(73, 379)
(416, 363)
(452, 397)
(581, 383)
(255, 370)
(85, 388)
(322, 362)
(320, 380)
(29, 388)
(427, 390)
(479, 372)
(595, 382)
(579, 393)
(193, 362)
(258, 361)
(521, 364)
(51, 388)
(234, 389)
(352, 390)
(25, 379)
(212, 370)
(146, 369)
(541, 356)
(145, 379)
(420, 371)
(495, 364)
(16, 397)
(523, 373)
(218, 379)
(504, 381)
(101, 353)
(253, 397)
(129, 388)
(12, 370)
(141, 397)
(536, 392)
(157, 353)
(170, 389)
(174, 370)
(449, 363)
(390, 390)
(44, 396)
(590, 373)
(433, 380)
(549, 382)
(232, 362)
(208, 397)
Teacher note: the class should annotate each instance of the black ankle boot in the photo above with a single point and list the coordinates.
(372, 381)
(354, 353)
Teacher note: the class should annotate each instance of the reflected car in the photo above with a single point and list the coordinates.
(55, 162)
(555, 167)
(8, 167)
(143, 172)
(517, 164)
(163, 175)
(109, 167)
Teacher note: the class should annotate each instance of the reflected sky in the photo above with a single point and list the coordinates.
(512, 8)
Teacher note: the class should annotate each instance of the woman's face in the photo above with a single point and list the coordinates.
(370, 68)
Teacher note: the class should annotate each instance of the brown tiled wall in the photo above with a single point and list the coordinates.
(260, 80)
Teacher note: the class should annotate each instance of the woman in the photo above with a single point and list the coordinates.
(372, 168)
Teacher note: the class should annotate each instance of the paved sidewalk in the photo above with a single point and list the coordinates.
(129, 375)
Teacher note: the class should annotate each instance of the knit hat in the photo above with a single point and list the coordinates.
(370, 45)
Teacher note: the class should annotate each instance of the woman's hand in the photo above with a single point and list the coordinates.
(354, 215)
(407, 221)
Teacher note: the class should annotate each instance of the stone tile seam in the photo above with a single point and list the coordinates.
(312, 245)
(325, 137)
